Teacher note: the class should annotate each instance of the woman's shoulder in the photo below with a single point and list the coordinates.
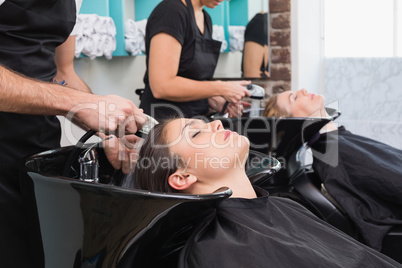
(170, 14)
(171, 17)
(170, 7)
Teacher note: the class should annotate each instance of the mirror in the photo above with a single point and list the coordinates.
(255, 62)
(245, 51)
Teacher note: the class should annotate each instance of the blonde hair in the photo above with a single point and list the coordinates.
(271, 107)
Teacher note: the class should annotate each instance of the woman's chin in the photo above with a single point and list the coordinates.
(245, 144)
(246, 141)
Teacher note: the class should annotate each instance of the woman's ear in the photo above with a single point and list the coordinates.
(181, 181)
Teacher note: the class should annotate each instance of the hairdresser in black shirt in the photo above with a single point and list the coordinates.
(181, 60)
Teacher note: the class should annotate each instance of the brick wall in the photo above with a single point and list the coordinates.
(279, 15)
(280, 45)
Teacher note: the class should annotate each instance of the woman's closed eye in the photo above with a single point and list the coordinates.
(195, 134)
(292, 97)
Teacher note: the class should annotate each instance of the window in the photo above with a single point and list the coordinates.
(363, 28)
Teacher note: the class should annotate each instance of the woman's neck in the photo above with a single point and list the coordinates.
(331, 126)
(328, 127)
(196, 5)
(241, 186)
(198, 14)
(236, 180)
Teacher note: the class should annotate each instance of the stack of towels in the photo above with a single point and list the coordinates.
(135, 36)
(218, 33)
(96, 36)
(236, 38)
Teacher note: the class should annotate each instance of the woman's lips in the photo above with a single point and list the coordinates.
(226, 134)
(312, 96)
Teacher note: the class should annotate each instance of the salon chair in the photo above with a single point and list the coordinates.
(287, 139)
(87, 224)
(78, 222)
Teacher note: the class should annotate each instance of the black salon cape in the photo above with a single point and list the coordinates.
(273, 232)
(365, 178)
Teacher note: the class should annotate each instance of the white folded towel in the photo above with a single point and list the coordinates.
(133, 46)
(130, 28)
(135, 36)
(105, 25)
(79, 45)
(236, 38)
(218, 33)
(109, 45)
(91, 46)
(87, 21)
(95, 36)
(142, 25)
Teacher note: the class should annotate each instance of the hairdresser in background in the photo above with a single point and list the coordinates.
(181, 58)
(33, 36)
(256, 50)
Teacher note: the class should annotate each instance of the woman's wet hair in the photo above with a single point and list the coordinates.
(155, 162)
(272, 108)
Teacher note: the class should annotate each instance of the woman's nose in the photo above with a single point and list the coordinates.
(216, 125)
(304, 91)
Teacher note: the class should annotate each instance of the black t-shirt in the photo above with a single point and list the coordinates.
(273, 232)
(172, 17)
(257, 29)
(365, 177)
(30, 31)
(177, 20)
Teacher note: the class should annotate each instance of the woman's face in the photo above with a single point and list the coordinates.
(301, 104)
(206, 148)
(211, 3)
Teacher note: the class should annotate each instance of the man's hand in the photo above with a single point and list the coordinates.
(236, 109)
(109, 114)
(122, 153)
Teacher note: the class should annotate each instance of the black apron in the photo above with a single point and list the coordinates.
(202, 67)
(29, 33)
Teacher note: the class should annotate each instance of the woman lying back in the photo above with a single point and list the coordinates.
(250, 229)
(364, 176)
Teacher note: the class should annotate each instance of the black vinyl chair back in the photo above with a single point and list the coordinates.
(85, 224)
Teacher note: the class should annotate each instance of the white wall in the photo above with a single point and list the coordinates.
(256, 6)
(366, 90)
(307, 45)
(120, 76)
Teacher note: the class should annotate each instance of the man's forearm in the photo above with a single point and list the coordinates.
(20, 94)
(64, 59)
